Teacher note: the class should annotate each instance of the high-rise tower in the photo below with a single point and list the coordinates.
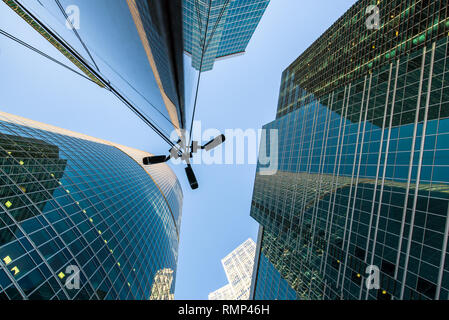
(139, 53)
(363, 177)
(81, 218)
(229, 25)
(238, 266)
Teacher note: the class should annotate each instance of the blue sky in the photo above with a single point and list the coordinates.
(241, 92)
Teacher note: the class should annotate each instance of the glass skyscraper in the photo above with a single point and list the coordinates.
(271, 285)
(139, 49)
(160, 27)
(162, 285)
(232, 23)
(363, 176)
(238, 266)
(72, 205)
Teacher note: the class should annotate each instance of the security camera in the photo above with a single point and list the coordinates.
(186, 153)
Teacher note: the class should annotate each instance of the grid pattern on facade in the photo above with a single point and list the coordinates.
(238, 266)
(67, 201)
(170, 187)
(349, 50)
(231, 35)
(363, 180)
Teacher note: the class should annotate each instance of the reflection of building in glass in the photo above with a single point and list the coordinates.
(238, 266)
(268, 278)
(239, 20)
(363, 163)
(160, 29)
(16, 147)
(162, 285)
(72, 200)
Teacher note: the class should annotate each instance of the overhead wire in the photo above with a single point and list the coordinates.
(23, 43)
(217, 23)
(76, 32)
(198, 15)
(137, 91)
(6, 34)
(106, 83)
(199, 74)
(205, 47)
(116, 72)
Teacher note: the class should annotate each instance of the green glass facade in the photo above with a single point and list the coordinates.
(69, 201)
(348, 49)
(271, 284)
(363, 176)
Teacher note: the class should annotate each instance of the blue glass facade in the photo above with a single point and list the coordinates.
(70, 201)
(363, 176)
(232, 32)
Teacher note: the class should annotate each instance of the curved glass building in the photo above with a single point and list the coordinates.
(81, 218)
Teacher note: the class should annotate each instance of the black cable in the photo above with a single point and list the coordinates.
(106, 83)
(205, 47)
(76, 32)
(198, 15)
(137, 91)
(10, 36)
(217, 23)
(120, 96)
(143, 116)
(199, 74)
(55, 34)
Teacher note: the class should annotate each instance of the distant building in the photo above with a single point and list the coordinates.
(238, 266)
(162, 285)
(224, 293)
(239, 20)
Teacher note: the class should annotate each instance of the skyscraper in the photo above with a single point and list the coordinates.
(159, 24)
(231, 23)
(139, 51)
(238, 266)
(362, 184)
(224, 293)
(81, 218)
